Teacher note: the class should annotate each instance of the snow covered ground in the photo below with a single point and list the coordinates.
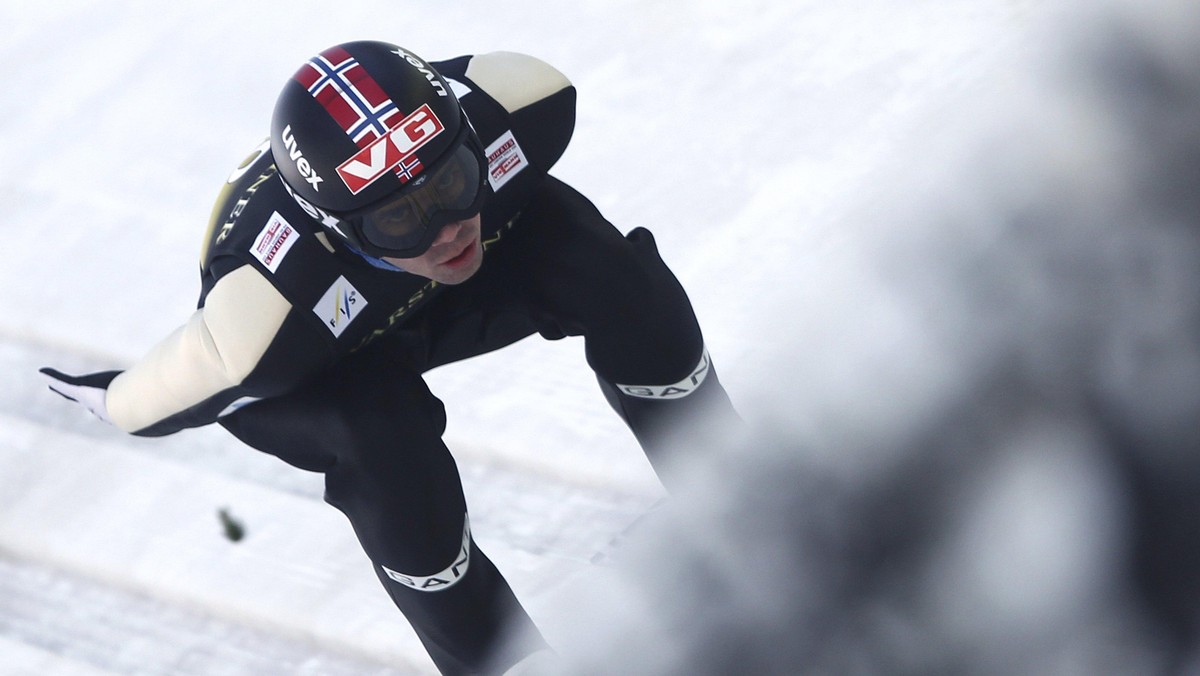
(807, 168)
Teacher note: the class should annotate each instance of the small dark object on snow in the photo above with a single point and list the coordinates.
(233, 527)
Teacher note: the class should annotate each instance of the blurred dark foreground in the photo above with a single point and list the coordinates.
(1042, 515)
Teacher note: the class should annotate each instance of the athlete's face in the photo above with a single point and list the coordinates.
(454, 256)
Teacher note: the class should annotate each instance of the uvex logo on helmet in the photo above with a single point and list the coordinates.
(391, 150)
(424, 70)
(302, 165)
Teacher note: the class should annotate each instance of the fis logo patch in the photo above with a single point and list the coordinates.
(340, 305)
(274, 241)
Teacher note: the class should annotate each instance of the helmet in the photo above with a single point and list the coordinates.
(372, 142)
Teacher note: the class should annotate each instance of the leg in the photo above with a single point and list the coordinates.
(641, 335)
(374, 429)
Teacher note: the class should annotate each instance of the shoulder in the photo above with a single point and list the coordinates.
(521, 107)
(515, 80)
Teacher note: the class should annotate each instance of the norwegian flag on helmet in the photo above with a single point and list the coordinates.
(349, 94)
(354, 100)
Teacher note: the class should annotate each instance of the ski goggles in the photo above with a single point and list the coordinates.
(404, 225)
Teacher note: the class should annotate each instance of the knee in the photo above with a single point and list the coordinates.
(388, 445)
(384, 428)
(652, 280)
(644, 329)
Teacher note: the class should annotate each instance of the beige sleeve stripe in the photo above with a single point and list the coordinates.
(215, 350)
(515, 80)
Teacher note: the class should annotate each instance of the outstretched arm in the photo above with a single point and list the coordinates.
(243, 345)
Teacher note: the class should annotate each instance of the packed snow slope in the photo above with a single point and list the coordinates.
(924, 240)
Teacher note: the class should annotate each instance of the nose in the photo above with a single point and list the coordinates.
(448, 233)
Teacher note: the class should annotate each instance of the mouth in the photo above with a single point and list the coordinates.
(467, 252)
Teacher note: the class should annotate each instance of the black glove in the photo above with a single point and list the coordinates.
(88, 389)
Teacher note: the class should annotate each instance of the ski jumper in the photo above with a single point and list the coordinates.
(306, 349)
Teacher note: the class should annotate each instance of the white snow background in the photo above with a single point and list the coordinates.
(850, 192)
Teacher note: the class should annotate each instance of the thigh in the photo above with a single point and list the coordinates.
(373, 428)
(343, 415)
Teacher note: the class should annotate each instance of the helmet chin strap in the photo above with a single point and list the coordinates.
(376, 262)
